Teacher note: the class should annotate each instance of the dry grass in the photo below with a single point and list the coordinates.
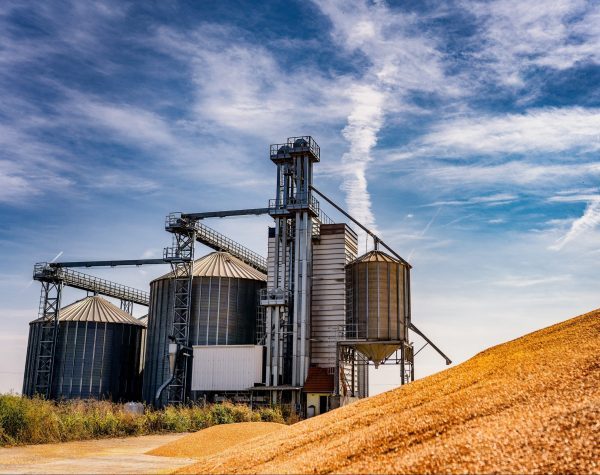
(26, 420)
(531, 405)
(216, 439)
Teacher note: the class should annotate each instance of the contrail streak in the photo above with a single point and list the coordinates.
(425, 229)
(589, 220)
(364, 123)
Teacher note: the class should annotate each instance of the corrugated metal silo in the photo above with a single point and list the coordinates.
(377, 303)
(97, 355)
(224, 307)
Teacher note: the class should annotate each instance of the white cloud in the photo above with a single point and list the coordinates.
(489, 200)
(519, 281)
(141, 126)
(519, 173)
(28, 166)
(241, 87)
(574, 198)
(548, 130)
(516, 35)
(588, 221)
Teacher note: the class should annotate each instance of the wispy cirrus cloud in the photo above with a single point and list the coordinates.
(516, 36)
(537, 131)
(512, 173)
(587, 222)
(131, 123)
(487, 200)
(520, 281)
(242, 87)
(574, 198)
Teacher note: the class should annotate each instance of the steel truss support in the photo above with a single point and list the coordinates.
(45, 272)
(127, 306)
(49, 311)
(181, 257)
(351, 362)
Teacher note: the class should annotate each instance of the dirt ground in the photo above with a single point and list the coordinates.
(125, 455)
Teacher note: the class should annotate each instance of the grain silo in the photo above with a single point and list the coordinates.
(377, 310)
(223, 312)
(97, 353)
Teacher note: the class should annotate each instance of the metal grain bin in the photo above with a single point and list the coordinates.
(377, 309)
(97, 353)
(224, 307)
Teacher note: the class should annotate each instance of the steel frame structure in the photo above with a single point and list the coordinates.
(186, 230)
(45, 272)
(181, 258)
(49, 311)
(288, 304)
(349, 356)
(54, 277)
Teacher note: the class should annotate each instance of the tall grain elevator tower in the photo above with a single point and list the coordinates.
(287, 298)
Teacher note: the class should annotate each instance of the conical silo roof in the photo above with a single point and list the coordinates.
(95, 309)
(375, 256)
(143, 320)
(222, 264)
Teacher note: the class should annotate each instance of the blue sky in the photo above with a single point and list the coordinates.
(467, 133)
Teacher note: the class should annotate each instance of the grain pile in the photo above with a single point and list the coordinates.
(216, 439)
(529, 405)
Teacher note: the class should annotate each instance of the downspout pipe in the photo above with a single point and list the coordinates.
(175, 357)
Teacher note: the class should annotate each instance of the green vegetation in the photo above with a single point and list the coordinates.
(37, 421)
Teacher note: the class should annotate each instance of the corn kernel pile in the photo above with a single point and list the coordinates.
(215, 439)
(531, 405)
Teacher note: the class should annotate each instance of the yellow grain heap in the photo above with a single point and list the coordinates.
(215, 439)
(529, 405)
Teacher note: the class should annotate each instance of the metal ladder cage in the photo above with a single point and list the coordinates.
(261, 322)
(181, 257)
(49, 310)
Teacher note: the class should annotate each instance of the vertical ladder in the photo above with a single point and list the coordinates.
(49, 311)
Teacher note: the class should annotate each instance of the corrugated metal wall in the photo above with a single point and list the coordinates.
(336, 246)
(223, 313)
(227, 368)
(283, 257)
(377, 305)
(30, 360)
(93, 360)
